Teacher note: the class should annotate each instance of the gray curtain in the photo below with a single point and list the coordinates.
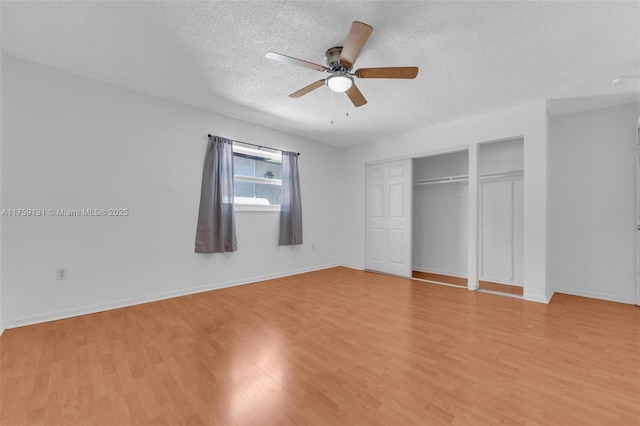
(291, 205)
(216, 231)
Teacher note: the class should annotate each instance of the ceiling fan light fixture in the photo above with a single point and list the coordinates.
(340, 83)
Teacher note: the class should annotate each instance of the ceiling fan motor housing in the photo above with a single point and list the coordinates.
(332, 58)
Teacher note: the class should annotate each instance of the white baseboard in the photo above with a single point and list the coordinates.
(596, 295)
(116, 304)
(540, 299)
(356, 267)
(536, 298)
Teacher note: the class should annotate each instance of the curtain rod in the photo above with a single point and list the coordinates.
(259, 146)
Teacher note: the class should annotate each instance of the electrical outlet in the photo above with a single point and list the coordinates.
(61, 274)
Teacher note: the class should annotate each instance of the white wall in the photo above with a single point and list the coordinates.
(592, 203)
(529, 121)
(502, 156)
(72, 142)
(441, 165)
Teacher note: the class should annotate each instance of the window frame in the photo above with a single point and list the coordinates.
(264, 153)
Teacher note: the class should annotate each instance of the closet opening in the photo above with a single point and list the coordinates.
(501, 217)
(440, 218)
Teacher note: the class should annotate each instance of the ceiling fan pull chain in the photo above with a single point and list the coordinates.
(332, 107)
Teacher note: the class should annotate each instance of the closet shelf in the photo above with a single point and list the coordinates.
(503, 174)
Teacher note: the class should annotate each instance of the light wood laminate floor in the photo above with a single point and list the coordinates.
(333, 347)
(501, 288)
(439, 278)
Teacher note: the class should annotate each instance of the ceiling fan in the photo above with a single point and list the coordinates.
(340, 61)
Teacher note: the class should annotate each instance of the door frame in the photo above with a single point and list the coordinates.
(637, 231)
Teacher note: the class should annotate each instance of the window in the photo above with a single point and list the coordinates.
(257, 178)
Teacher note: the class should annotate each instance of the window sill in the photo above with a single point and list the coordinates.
(255, 208)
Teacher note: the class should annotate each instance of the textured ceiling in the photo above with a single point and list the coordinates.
(474, 57)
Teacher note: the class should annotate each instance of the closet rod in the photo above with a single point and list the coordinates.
(448, 179)
(259, 146)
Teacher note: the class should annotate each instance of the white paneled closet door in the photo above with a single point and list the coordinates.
(501, 231)
(388, 217)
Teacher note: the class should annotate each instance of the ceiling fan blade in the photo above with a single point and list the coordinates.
(288, 59)
(307, 89)
(358, 36)
(390, 72)
(356, 96)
